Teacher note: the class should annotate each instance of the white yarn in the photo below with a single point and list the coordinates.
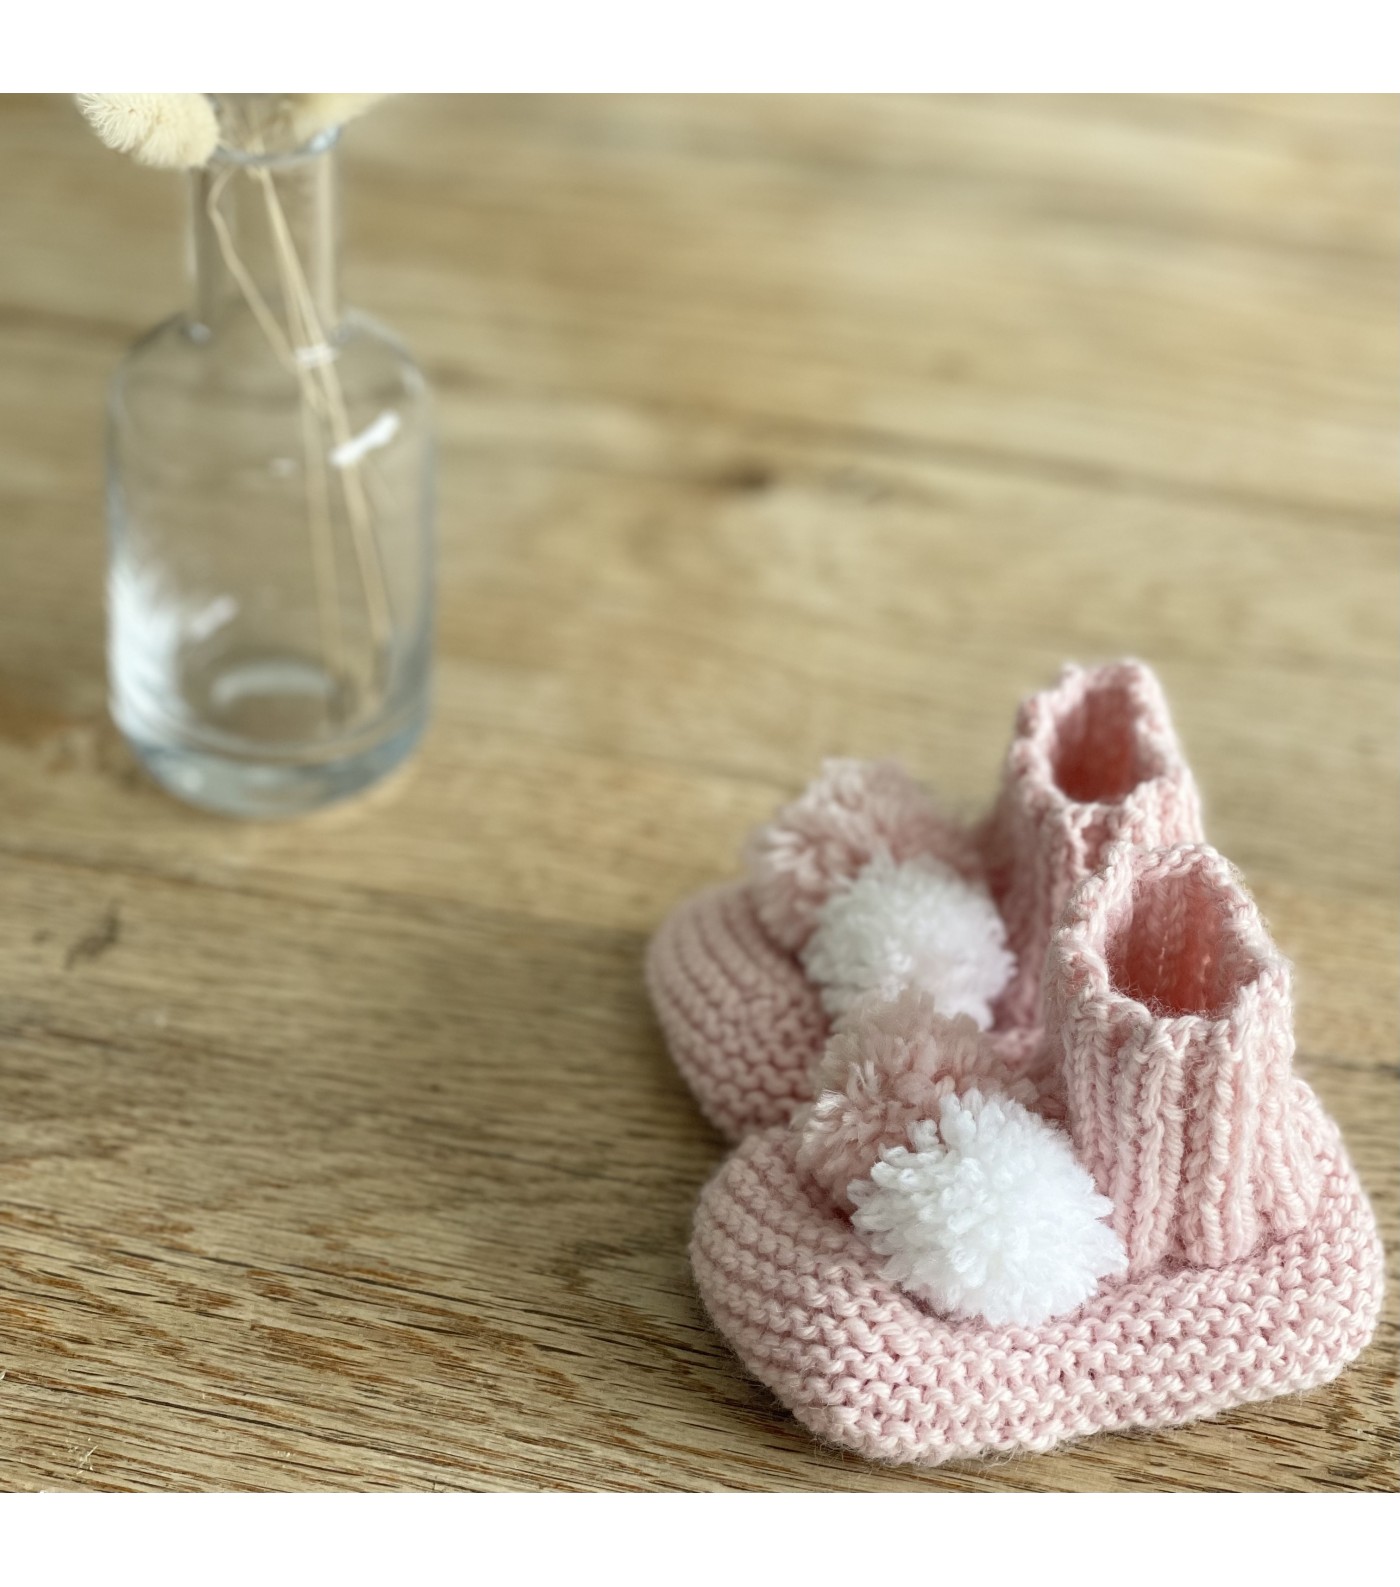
(991, 1215)
(912, 924)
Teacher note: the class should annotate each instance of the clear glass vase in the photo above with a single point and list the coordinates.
(270, 500)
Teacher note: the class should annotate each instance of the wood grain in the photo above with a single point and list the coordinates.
(346, 1153)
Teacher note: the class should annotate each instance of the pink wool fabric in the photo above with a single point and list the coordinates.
(891, 1067)
(741, 1019)
(1093, 761)
(1255, 1267)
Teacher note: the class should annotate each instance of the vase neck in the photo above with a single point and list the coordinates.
(265, 240)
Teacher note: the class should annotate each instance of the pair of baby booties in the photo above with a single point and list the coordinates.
(1021, 1153)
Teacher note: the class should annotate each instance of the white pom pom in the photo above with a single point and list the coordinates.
(912, 924)
(991, 1215)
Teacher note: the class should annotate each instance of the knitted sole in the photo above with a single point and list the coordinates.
(797, 1293)
(743, 1023)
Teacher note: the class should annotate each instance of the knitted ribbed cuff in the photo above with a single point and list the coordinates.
(1174, 1025)
(1094, 761)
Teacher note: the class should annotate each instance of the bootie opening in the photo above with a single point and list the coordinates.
(1176, 946)
(1099, 755)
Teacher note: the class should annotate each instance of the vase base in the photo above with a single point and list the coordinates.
(268, 791)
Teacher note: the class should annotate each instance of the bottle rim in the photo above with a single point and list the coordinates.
(246, 159)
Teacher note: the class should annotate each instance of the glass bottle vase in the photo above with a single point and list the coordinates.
(270, 498)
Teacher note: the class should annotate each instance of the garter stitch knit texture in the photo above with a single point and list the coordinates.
(1093, 760)
(1255, 1267)
(741, 1019)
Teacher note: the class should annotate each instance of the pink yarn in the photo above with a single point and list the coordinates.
(854, 812)
(1093, 760)
(1255, 1264)
(1172, 1023)
(890, 1068)
(741, 1019)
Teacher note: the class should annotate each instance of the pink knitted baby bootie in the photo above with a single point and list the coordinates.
(971, 1243)
(862, 886)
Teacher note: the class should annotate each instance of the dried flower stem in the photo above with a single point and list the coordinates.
(367, 550)
(325, 401)
(322, 537)
(323, 552)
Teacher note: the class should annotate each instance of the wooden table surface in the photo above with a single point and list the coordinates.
(346, 1153)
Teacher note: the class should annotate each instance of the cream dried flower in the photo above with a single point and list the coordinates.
(170, 130)
(177, 131)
